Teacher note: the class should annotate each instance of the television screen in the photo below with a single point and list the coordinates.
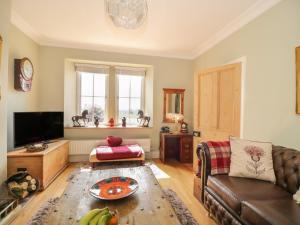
(34, 127)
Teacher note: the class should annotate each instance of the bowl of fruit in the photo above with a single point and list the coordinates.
(100, 217)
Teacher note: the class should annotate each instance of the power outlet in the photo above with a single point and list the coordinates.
(197, 133)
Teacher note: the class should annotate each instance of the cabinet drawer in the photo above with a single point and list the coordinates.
(186, 151)
(187, 140)
(186, 145)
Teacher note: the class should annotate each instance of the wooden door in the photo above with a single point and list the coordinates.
(217, 104)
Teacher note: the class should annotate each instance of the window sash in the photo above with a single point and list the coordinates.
(142, 99)
(80, 96)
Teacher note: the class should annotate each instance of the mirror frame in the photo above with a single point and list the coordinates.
(172, 91)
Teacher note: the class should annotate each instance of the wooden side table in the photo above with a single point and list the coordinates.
(177, 146)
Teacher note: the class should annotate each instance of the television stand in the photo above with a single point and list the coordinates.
(45, 165)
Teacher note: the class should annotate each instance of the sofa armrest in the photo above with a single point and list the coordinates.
(204, 168)
(204, 161)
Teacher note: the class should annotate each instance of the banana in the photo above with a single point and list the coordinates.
(95, 220)
(104, 219)
(90, 215)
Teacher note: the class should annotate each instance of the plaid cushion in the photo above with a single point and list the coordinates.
(219, 157)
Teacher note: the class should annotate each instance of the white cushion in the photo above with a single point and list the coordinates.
(251, 159)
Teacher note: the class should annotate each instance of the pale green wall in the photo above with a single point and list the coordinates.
(168, 73)
(4, 32)
(48, 84)
(269, 44)
(21, 46)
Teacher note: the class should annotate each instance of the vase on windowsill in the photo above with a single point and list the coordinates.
(111, 122)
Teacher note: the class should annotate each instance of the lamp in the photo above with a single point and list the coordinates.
(129, 14)
(177, 118)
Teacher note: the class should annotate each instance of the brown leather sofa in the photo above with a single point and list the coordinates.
(233, 200)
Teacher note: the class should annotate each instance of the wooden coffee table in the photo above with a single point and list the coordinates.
(148, 205)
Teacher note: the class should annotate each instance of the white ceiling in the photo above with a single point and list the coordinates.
(174, 28)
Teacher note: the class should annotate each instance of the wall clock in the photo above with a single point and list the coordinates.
(23, 74)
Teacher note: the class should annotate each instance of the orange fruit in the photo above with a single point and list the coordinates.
(113, 221)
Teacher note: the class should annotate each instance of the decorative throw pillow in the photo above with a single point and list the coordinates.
(251, 159)
(114, 141)
(219, 157)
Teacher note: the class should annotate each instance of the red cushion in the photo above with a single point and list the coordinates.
(113, 141)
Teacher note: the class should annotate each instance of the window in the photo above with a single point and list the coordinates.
(110, 92)
(93, 95)
(130, 97)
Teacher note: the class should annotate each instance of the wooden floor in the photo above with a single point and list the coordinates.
(178, 177)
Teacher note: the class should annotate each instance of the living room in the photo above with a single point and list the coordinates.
(163, 60)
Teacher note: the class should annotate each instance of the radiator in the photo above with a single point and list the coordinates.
(84, 147)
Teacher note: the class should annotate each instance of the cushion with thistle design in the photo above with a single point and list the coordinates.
(251, 159)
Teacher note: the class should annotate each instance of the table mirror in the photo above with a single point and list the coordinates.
(173, 104)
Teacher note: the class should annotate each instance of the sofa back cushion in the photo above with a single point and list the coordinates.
(287, 168)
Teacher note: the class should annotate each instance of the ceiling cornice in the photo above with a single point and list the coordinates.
(250, 14)
(246, 17)
(122, 50)
(19, 22)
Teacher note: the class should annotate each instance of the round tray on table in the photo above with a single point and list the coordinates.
(114, 188)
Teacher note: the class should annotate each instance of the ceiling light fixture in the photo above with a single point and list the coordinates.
(129, 14)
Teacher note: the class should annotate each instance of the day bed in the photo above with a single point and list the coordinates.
(233, 200)
(142, 144)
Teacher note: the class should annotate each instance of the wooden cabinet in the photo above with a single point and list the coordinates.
(45, 165)
(177, 146)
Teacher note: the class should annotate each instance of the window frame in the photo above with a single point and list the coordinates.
(78, 102)
(112, 73)
(117, 97)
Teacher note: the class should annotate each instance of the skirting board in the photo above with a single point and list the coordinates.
(85, 158)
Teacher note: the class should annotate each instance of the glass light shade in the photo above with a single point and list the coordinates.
(129, 14)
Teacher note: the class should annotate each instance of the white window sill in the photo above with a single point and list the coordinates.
(108, 127)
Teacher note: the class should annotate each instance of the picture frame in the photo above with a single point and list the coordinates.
(298, 80)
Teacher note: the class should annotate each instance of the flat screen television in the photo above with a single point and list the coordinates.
(35, 127)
